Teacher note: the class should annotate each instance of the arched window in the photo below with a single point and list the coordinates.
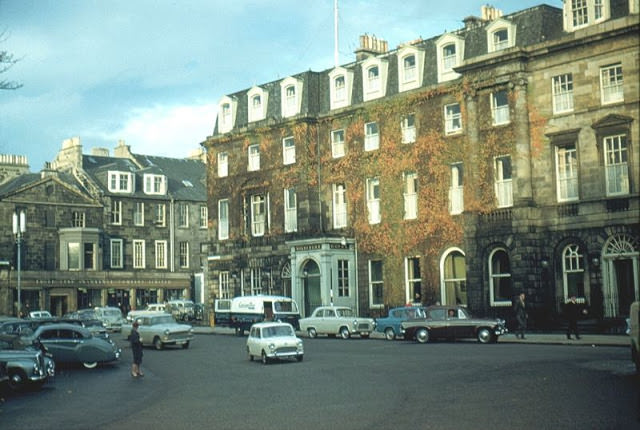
(454, 279)
(573, 272)
(500, 284)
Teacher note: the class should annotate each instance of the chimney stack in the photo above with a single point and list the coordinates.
(370, 46)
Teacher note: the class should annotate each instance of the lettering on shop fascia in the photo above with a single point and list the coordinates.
(95, 282)
(308, 247)
(338, 246)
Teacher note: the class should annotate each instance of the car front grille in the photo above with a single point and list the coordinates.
(364, 327)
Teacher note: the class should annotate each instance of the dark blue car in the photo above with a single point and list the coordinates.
(390, 325)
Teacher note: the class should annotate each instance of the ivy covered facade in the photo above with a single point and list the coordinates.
(466, 168)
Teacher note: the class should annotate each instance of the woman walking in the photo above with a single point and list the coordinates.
(136, 348)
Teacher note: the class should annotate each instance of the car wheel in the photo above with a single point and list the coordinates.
(16, 380)
(157, 343)
(265, 360)
(422, 335)
(344, 333)
(185, 345)
(389, 334)
(90, 364)
(484, 335)
(312, 333)
(300, 357)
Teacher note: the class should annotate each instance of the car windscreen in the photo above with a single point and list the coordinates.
(112, 313)
(285, 306)
(345, 312)
(162, 320)
(436, 314)
(277, 331)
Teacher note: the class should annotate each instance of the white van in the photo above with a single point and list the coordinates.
(241, 312)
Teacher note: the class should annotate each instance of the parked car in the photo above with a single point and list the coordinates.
(111, 317)
(452, 322)
(240, 313)
(72, 343)
(274, 340)
(182, 310)
(26, 364)
(390, 325)
(161, 329)
(334, 320)
(150, 308)
(634, 334)
(4, 376)
(40, 314)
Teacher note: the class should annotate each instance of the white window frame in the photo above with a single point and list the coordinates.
(499, 276)
(374, 86)
(373, 200)
(566, 157)
(290, 210)
(456, 191)
(611, 84)
(500, 112)
(257, 112)
(183, 254)
(227, 108)
(288, 150)
(408, 128)
(498, 26)
(223, 219)
(224, 285)
(138, 254)
(291, 96)
(340, 96)
(375, 283)
(339, 204)
(616, 162)
(138, 213)
(74, 256)
(447, 63)
(78, 219)
(204, 216)
(258, 214)
(223, 164)
(159, 215)
(116, 256)
(342, 278)
(183, 215)
(583, 13)
(562, 93)
(371, 136)
(161, 254)
(116, 212)
(503, 184)
(410, 278)
(155, 184)
(253, 158)
(573, 266)
(410, 195)
(120, 182)
(452, 119)
(338, 145)
(410, 77)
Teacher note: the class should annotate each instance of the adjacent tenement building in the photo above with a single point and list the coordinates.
(465, 168)
(121, 230)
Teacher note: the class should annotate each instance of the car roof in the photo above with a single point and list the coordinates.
(271, 324)
(62, 326)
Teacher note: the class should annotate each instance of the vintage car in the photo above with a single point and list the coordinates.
(274, 340)
(40, 314)
(151, 307)
(634, 334)
(390, 325)
(452, 322)
(182, 310)
(160, 329)
(72, 343)
(336, 320)
(111, 317)
(26, 364)
(4, 376)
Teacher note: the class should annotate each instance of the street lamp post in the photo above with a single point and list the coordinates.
(19, 227)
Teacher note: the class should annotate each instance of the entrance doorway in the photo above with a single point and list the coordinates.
(311, 285)
(58, 305)
(620, 275)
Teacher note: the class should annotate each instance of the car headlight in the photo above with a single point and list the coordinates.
(272, 346)
(355, 323)
(166, 332)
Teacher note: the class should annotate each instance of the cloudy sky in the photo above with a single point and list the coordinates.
(151, 72)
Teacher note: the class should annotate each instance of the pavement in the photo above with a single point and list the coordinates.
(555, 338)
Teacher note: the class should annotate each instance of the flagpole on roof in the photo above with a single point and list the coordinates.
(335, 33)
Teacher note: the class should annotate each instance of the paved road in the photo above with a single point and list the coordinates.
(344, 384)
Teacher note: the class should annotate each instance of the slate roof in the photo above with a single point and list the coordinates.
(534, 25)
(26, 180)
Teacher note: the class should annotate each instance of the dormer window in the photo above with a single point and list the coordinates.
(120, 182)
(410, 68)
(155, 184)
(501, 34)
(254, 158)
(341, 82)
(374, 79)
(450, 49)
(257, 104)
(226, 114)
(291, 92)
(582, 13)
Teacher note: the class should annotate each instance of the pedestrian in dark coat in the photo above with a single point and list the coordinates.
(520, 311)
(572, 312)
(136, 349)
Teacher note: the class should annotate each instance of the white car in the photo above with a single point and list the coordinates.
(159, 329)
(336, 320)
(271, 340)
(150, 308)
